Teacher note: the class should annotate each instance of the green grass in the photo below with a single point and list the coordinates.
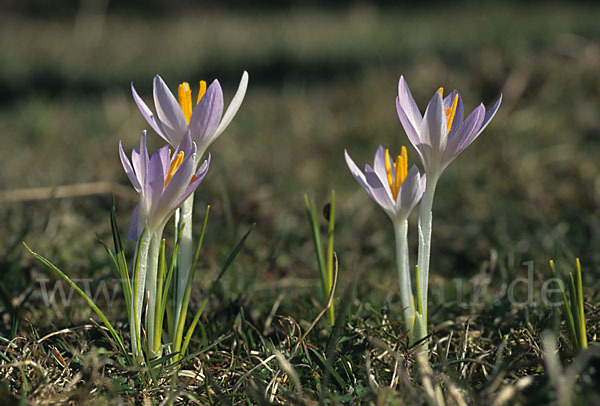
(320, 81)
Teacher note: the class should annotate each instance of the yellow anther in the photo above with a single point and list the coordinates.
(185, 100)
(201, 91)
(397, 176)
(175, 164)
(405, 162)
(396, 179)
(388, 171)
(450, 113)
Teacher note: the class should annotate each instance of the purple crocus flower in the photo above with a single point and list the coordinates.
(204, 120)
(389, 183)
(397, 190)
(441, 134)
(163, 181)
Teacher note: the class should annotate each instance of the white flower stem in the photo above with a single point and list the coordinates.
(151, 285)
(186, 255)
(425, 218)
(402, 263)
(133, 312)
(139, 288)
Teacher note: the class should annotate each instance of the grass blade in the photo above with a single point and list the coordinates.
(579, 290)
(313, 220)
(188, 287)
(224, 268)
(567, 309)
(90, 302)
(330, 233)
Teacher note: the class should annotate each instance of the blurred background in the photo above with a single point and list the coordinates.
(323, 77)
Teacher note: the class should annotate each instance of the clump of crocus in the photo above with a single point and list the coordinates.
(397, 191)
(438, 136)
(204, 121)
(164, 181)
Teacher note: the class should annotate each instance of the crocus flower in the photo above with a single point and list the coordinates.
(397, 191)
(441, 134)
(163, 181)
(203, 120)
(389, 183)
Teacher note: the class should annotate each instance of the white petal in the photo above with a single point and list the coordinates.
(234, 106)
(169, 111)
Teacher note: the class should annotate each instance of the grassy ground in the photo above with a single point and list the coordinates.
(320, 81)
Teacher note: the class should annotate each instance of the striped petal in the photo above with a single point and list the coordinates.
(129, 169)
(149, 116)
(169, 111)
(206, 117)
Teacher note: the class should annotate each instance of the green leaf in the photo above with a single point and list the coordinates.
(313, 220)
(188, 286)
(329, 279)
(582, 328)
(90, 302)
(567, 310)
(326, 366)
(224, 268)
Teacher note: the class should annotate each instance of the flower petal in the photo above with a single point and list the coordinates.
(129, 169)
(175, 189)
(379, 164)
(149, 116)
(155, 182)
(378, 191)
(200, 175)
(406, 103)
(459, 114)
(234, 106)
(490, 114)
(411, 131)
(463, 136)
(480, 121)
(206, 116)
(471, 127)
(186, 145)
(356, 172)
(135, 231)
(164, 155)
(433, 128)
(410, 193)
(169, 111)
(139, 160)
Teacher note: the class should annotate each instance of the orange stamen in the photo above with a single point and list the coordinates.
(450, 111)
(388, 171)
(185, 100)
(405, 166)
(396, 179)
(201, 91)
(175, 164)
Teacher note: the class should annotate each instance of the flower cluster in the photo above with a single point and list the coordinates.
(438, 136)
(167, 179)
(165, 182)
